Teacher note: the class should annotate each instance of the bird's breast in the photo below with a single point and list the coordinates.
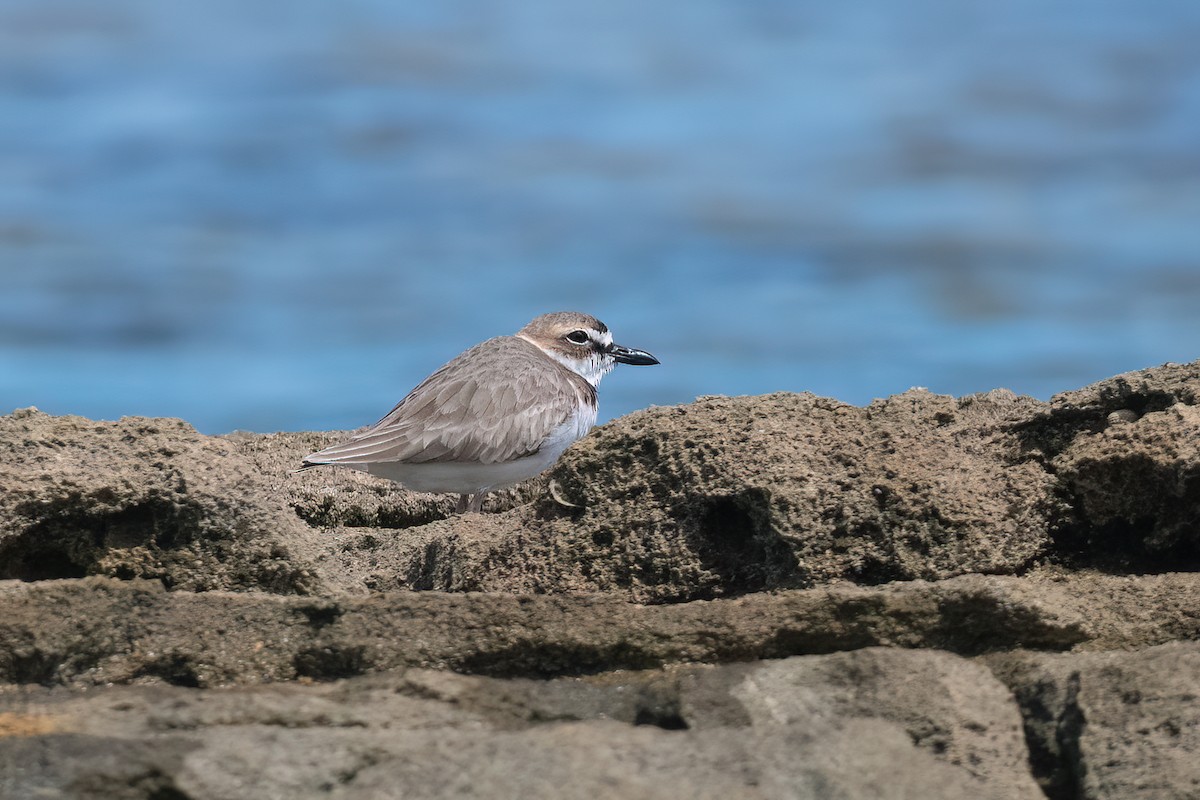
(574, 428)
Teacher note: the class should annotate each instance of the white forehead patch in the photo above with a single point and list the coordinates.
(603, 338)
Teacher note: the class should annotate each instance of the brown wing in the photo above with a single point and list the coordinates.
(494, 403)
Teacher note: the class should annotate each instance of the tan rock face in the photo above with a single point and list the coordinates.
(1126, 456)
(716, 498)
(729, 495)
(144, 498)
(815, 622)
(732, 495)
(1140, 480)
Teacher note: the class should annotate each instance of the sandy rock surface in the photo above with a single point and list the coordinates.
(774, 596)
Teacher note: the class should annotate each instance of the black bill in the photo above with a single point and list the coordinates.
(627, 355)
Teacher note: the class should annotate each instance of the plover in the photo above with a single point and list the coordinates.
(500, 413)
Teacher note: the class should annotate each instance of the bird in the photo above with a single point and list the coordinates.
(497, 414)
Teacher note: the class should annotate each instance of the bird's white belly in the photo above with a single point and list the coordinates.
(471, 477)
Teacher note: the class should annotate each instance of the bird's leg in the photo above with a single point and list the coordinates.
(476, 504)
(462, 504)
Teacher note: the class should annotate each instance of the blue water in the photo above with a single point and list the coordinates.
(281, 215)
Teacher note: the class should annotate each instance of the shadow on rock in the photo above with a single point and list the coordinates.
(1125, 453)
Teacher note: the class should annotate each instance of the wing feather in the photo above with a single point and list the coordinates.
(496, 402)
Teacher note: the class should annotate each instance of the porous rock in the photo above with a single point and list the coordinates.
(143, 498)
(731, 495)
(784, 490)
(716, 498)
(1126, 454)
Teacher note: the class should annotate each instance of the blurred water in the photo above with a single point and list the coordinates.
(281, 215)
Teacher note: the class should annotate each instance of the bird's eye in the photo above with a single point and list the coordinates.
(577, 337)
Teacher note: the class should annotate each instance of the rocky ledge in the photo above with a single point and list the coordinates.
(759, 597)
